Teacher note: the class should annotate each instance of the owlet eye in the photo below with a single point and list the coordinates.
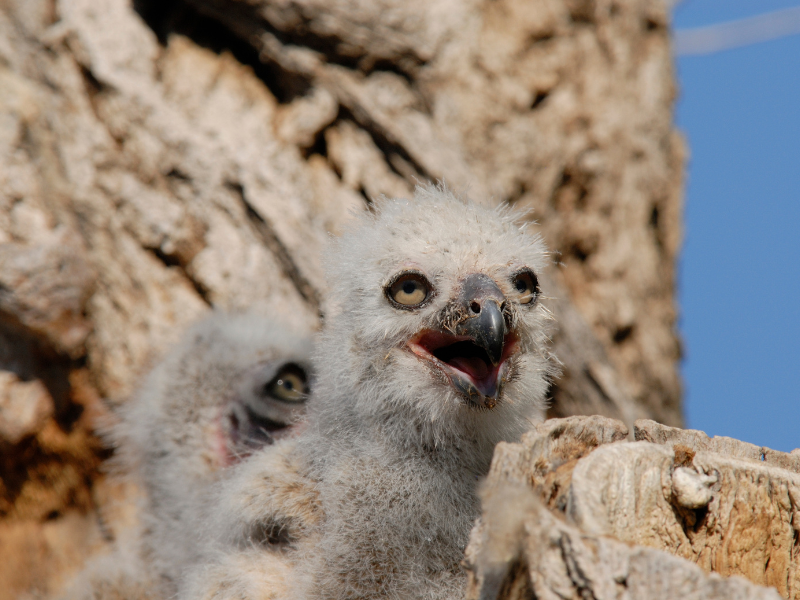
(289, 385)
(409, 290)
(527, 286)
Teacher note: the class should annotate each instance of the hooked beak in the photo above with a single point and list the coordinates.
(473, 353)
(481, 299)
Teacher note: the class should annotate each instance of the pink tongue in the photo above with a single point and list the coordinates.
(472, 366)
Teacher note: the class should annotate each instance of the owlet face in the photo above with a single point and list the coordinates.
(268, 404)
(475, 336)
(234, 383)
(438, 299)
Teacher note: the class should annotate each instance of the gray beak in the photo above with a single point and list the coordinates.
(482, 301)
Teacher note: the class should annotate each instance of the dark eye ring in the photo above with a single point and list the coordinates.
(290, 384)
(408, 290)
(526, 284)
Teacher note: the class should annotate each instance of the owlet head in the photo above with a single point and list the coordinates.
(234, 383)
(438, 301)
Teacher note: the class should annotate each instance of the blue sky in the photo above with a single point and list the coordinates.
(739, 284)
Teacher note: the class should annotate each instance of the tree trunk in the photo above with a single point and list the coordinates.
(162, 158)
(663, 517)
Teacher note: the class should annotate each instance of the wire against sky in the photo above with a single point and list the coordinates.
(724, 36)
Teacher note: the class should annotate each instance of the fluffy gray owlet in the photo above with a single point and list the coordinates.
(233, 384)
(435, 350)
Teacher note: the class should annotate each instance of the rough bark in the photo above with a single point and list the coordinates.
(162, 158)
(728, 507)
(553, 560)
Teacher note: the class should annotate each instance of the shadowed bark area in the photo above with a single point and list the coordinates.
(158, 159)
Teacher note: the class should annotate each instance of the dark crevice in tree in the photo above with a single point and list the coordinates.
(520, 189)
(540, 97)
(598, 387)
(175, 173)
(540, 38)
(33, 464)
(364, 194)
(583, 195)
(320, 144)
(581, 182)
(655, 218)
(581, 11)
(175, 261)
(572, 191)
(30, 356)
(202, 291)
(36, 462)
(507, 580)
(582, 583)
(403, 66)
(623, 333)
(652, 25)
(168, 17)
(691, 521)
(409, 169)
(237, 27)
(94, 90)
(234, 28)
(169, 260)
(246, 22)
(397, 158)
(93, 85)
(579, 252)
(266, 233)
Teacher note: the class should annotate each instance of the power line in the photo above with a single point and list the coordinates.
(733, 34)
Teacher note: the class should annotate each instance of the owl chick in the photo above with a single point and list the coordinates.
(233, 384)
(435, 350)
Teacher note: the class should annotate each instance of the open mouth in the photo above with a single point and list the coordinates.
(466, 363)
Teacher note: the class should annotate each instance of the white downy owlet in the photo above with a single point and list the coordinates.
(436, 349)
(233, 384)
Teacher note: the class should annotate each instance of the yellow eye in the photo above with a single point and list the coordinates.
(289, 384)
(526, 285)
(409, 290)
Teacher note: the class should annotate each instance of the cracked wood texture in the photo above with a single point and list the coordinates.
(159, 158)
(675, 514)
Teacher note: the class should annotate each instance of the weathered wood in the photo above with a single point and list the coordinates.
(711, 501)
(553, 560)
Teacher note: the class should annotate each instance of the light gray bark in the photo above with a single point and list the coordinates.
(719, 505)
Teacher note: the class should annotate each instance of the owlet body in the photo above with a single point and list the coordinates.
(234, 384)
(434, 351)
